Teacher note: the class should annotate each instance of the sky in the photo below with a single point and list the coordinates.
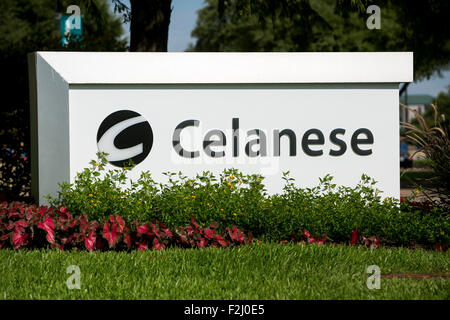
(183, 19)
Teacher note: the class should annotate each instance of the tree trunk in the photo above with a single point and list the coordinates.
(149, 27)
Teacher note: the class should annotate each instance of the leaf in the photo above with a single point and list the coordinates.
(22, 223)
(236, 235)
(157, 245)
(194, 223)
(155, 230)
(375, 242)
(4, 237)
(72, 223)
(10, 225)
(110, 233)
(143, 246)
(221, 240)
(121, 223)
(142, 229)
(209, 234)
(13, 214)
(42, 210)
(48, 226)
(320, 242)
(354, 236)
(18, 238)
(214, 225)
(202, 243)
(127, 239)
(250, 238)
(64, 213)
(190, 231)
(167, 233)
(84, 225)
(306, 233)
(69, 239)
(63, 209)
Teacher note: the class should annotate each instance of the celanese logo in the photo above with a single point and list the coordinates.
(125, 135)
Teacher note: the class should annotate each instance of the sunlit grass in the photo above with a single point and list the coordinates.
(265, 271)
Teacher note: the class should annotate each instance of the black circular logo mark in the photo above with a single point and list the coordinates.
(125, 135)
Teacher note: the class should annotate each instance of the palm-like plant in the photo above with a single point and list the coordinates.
(433, 141)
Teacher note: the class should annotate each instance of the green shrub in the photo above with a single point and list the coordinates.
(233, 198)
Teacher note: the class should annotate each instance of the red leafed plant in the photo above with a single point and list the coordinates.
(116, 232)
(194, 236)
(153, 233)
(305, 237)
(49, 227)
(358, 238)
(16, 224)
(24, 226)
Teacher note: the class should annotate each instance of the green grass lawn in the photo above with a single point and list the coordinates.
(265, 271)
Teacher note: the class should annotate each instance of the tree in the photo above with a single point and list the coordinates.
(328, 25)
(149, 28)
(30, 25)
(149, 23)
(150, 19)
(27, 26)
(442, 102)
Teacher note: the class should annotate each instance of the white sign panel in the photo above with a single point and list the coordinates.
(266, 113)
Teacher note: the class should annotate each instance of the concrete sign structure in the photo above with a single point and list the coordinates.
(308, 113)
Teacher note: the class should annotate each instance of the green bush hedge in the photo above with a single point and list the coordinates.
(233, 198)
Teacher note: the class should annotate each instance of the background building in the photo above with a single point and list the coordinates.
(418, 102)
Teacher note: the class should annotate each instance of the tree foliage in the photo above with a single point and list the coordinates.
(442, 102)
(27, 26)
(327, 25)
